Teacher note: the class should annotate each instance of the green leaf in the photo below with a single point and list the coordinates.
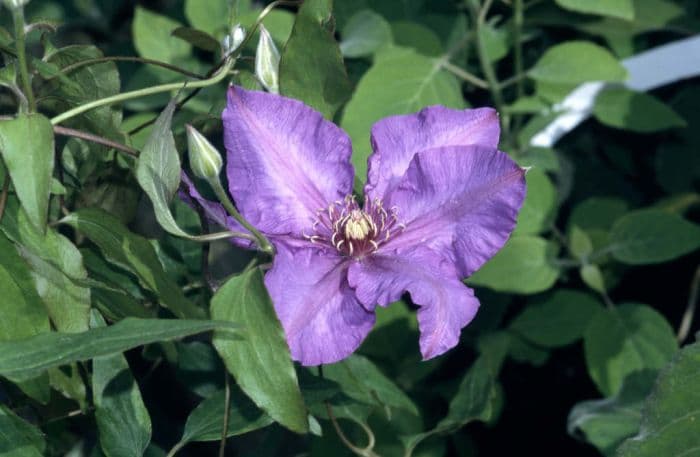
(593, 277)
(623, 9)
(652, 236)
(19, 438)
(364, 33)
(122, 419)
(363, 381)
(158, 169)
(523, 266)
(497, 42)
(597, 213)
(539, 206)
(152, 34)
(636, 111)
(408, 34)
(670, 414)
(401, 81)
(606, 423)
(311, 67)
(205, 422)
(576, 62)
(27, 148)
(558, 320)
(473, 401)
(260, 362)
(133, 253)
(625, 340)
(197, 38)
(89, 82)
(22, 311)
(29, 357)
(580, 244)
(212, 16)
(57, 268)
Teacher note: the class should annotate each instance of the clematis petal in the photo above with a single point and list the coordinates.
(446, 304)
(284, 161)
(321, 317)
(214, 211)
(461, 202)
(397, 139)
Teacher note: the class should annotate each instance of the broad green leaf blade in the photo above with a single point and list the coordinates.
(625, 340)
(576, 62)
(211, 17)
(153, 39)
(400, 81)
(19, 438)
(22, 311)
(558, 320)
(473, 401)
(606, 423)
(364, 33)
(206, 420)
(622, 9)
(363, 381)
(539, 206)
(27, 148)
(652, 236)
(636, 111)
(122, 419)
(89, 82)
(523, 266)
(26, 358)
(597, 213)
(197, 38)
(260, 362)
(311, 68)
(133, 253)
(57, 268)
(670, 414)
(158, 169)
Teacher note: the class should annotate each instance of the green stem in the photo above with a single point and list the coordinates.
(176, 448)
(217, 77)
(84, 63)
(689, 313)
(263, 243)
(227, 411)
(465, 75)
(518, 60)
(18, 18)
(479, 19)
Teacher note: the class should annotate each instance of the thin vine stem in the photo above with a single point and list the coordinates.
(5, 189)
(227, 411)
(216, 78)
(263, 243)
(84, 63)
(65, 131)
(18, 18)
(479, 19)
(465, 75)
(365, 451)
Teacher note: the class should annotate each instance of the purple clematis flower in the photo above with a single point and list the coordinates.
(440, 201)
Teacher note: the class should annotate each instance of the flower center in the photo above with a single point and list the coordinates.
(354, 231)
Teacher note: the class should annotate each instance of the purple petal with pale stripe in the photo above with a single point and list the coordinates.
(461, 202)
(446, 305)
(214, 211)
(321, 317)
(284, 162)
(397, 139)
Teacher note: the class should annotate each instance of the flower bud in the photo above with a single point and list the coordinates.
(233, 40)
(267, 61)
(205, 160)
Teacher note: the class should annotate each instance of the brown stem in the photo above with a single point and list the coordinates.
(65, 131)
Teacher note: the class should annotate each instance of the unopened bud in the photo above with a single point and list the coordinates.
(233, 40)
(267, 62)
(205, 160)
